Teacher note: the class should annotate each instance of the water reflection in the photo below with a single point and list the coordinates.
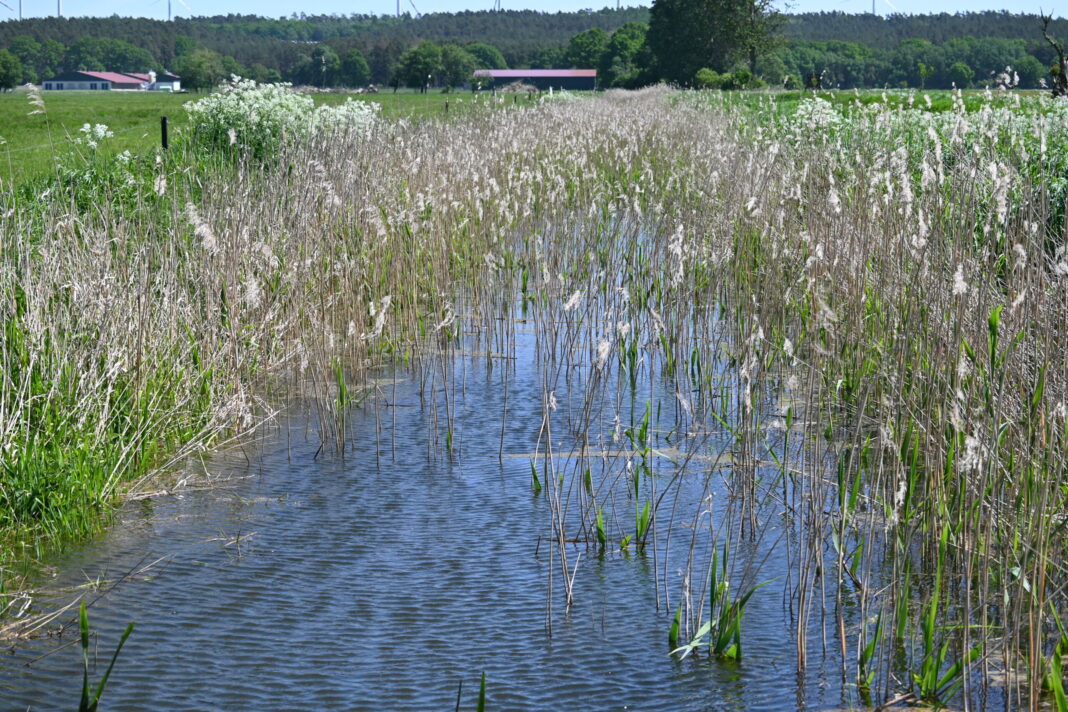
(382, 579)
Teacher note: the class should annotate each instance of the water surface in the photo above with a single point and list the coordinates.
(382, 579)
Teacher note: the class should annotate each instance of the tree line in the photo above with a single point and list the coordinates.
(711, 43)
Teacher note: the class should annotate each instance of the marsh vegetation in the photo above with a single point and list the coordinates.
(829, 336)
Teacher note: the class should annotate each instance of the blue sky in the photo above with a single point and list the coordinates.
(277, 8)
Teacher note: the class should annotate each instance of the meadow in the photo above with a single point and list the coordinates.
(849, 316)
(31, 143)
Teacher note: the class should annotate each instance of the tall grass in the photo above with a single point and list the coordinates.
(849, 317)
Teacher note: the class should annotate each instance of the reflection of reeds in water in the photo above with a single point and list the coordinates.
(848, 331)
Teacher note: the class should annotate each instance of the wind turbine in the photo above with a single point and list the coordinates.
(180, 2)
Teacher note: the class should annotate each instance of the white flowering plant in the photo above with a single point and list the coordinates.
(346, 117)
(258, 119)
(92, 135)
(90, 170)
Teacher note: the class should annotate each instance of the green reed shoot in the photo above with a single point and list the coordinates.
(724, 625)
(91, 699)
(673, 633)
(602, 536)
(535, 483)
(933, 684)
(1054, 678)
(639, 440)
(865, 673)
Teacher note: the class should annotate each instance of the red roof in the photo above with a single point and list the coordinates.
(114, 77)
(162, 76)
(521, 73)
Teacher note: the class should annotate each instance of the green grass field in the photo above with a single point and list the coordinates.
(33, 143)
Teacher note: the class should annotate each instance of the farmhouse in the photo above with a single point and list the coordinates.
(159, 82)
(94, 81)
(544, 79)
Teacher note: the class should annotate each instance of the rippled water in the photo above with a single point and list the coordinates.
(381, 580)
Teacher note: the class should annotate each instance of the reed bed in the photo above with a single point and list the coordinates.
(839, 329)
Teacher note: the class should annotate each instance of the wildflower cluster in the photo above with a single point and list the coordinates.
(342, 118)
(92, 135)
(260, 118)
(816, 114)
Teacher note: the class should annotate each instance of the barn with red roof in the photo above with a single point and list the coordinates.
(104, 81)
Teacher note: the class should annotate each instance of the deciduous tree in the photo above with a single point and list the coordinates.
(961, 75)
(487, 56)
(1030, 70)
(202, 69)
(10, 70)
(624, 60)
(457, 65)
(419, 65)
(355, 71)
(688, 35)
(585, 49)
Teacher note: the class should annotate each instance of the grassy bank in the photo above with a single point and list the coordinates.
(32, 142)
(124, 344)
(866, 301)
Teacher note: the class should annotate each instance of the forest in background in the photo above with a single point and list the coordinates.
(859, 50)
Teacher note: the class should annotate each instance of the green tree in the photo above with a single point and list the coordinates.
(28, 52)
(625, 58)
(355, 71)
(184, 45)
(49, 59)
(418, 67)
(231, 67)
(119, 56)
(757, 25)
(263, 75)
(585, 49)
(85, 54)
(772, 69)
(909, 56)
(688, 35)
(457, 65)
(326, 65)
(383, 59)
(1030, 71)
(487, 56)
(203, 69)
(318, 68)
(961, 75)
(107, 54)
(549, 58)
(926, 71)
(10, 70)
